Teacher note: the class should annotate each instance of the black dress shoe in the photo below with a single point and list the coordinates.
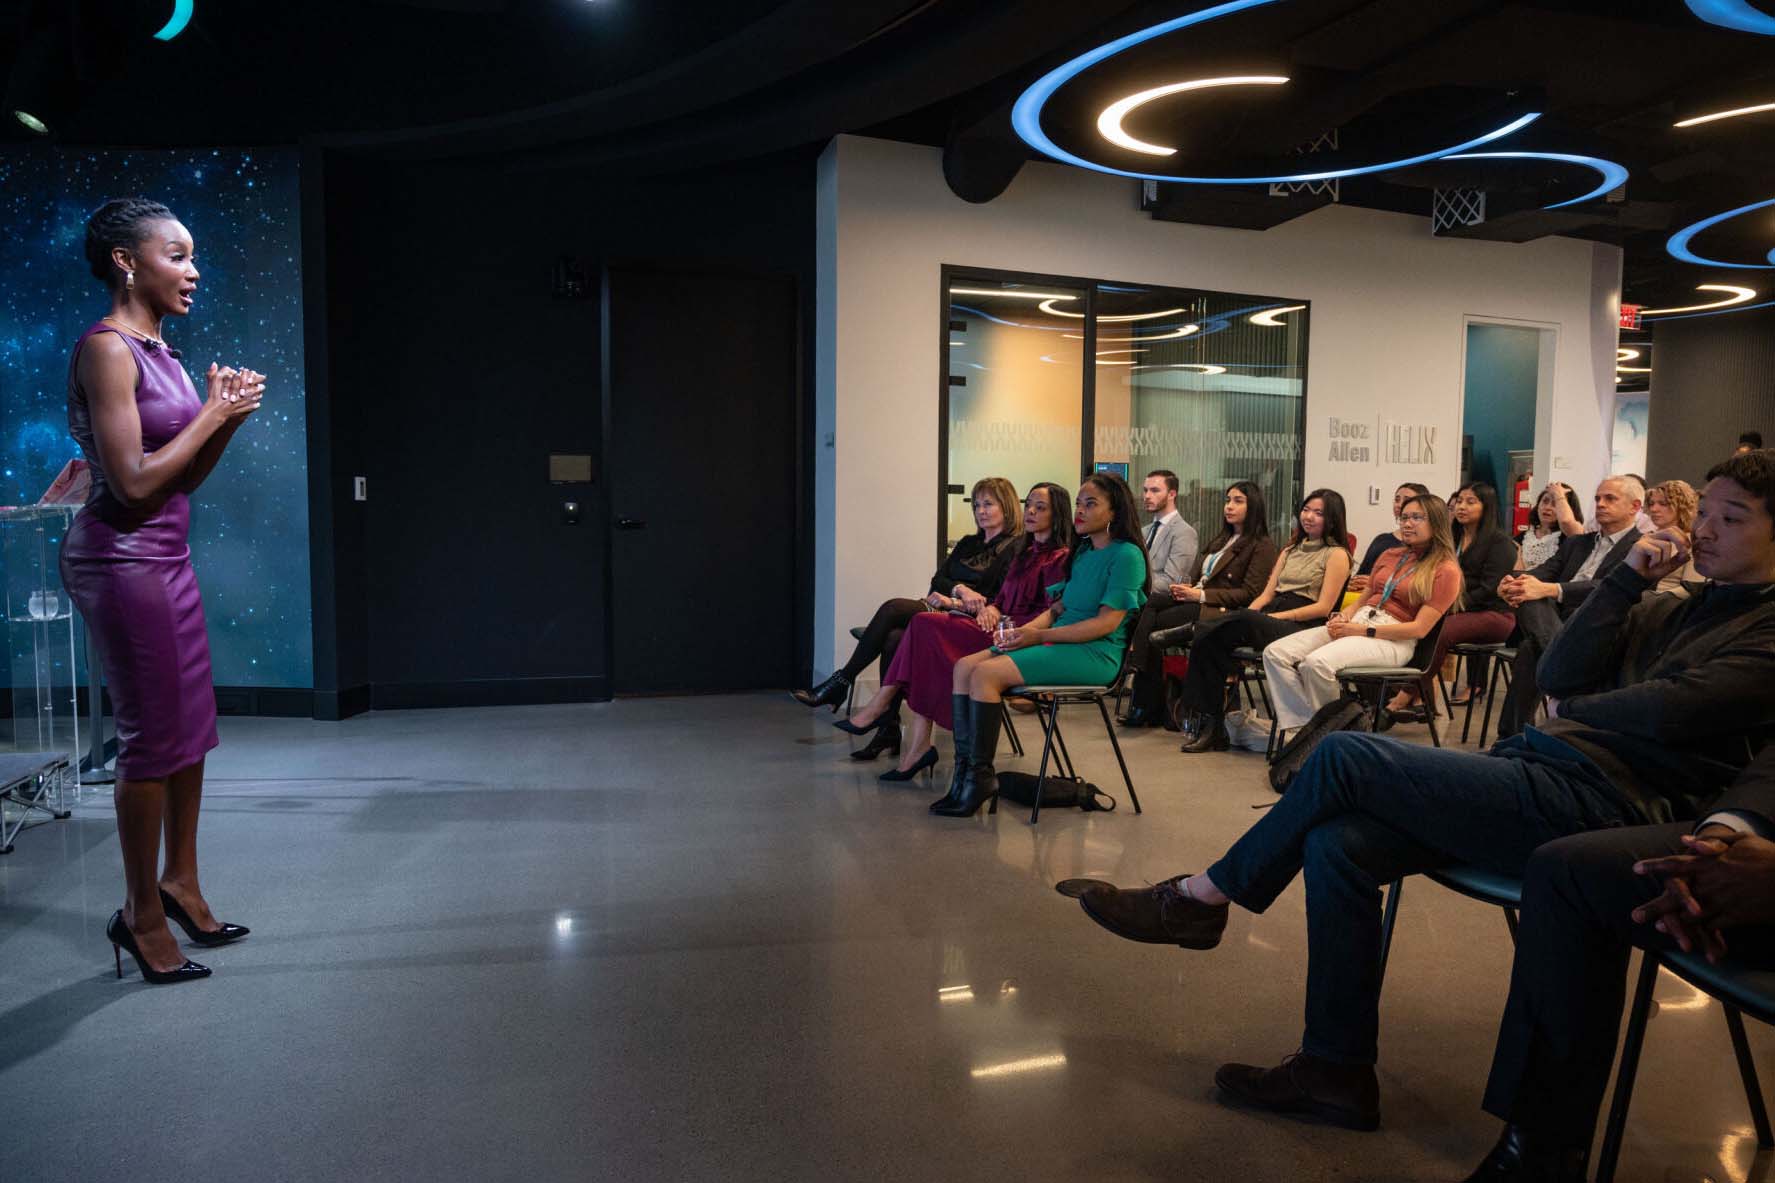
(1522, 1157)
(1160, 915)
(1211, 738)
(1139, 716)
(886, 739)
(1306, 1086)
(221, 936)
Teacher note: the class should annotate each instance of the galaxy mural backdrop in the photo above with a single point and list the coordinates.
(249, 522)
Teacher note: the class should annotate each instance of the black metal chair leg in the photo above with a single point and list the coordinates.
(1388, 918)
(1430, 718)
(1491, 696)
(1510, 923)
(1116, 745)
(1630, 1050)
(1041, 779)
(1747, 1068)
(1004, 707)
(1066, 767)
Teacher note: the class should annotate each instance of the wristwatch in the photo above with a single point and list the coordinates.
(1370, 630)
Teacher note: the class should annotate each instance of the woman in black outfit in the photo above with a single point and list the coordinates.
(967, 580)
(1304, 588)
(1228, 574)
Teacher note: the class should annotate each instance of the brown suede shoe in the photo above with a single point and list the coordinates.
(1306, 1086)
(1160, 915)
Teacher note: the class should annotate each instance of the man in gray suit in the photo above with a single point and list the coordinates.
(1170, 541)
(1547, 596)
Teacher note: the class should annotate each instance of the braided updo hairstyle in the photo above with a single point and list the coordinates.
(118, 223)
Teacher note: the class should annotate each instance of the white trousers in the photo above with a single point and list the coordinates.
(1302, 667)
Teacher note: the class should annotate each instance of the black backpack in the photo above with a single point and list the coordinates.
(1346, 714)
(1062, 792)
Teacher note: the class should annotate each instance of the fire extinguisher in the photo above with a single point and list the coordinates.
(1525, 505)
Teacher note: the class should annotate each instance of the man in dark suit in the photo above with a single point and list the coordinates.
(1546, 597)
(1587, 901)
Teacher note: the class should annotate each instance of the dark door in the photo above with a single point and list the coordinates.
(700, 407)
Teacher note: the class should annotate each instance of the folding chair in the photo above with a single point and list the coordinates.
(1049, 700)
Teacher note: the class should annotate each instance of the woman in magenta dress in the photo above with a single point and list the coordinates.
(151, 441)
(924, 664)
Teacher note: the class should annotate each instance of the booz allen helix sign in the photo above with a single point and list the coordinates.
(1399, 443)
(1350, 442)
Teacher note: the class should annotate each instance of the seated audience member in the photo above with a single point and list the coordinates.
(1171, 543)
(1077, 643)
(1750, 441)
(968, 579)
(1304, 588)
(924, 664)
(1661, 703)
(1412, 586)
(1486, 555)
(1548, 595)
(1227, 575)
(1587, 901)
(1539, 540)
(1384, 542)
(1671, 506)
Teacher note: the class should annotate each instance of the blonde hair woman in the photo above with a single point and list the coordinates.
(1410, 589)
(1672, 506)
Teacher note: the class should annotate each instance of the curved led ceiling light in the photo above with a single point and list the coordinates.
(1184, 365)
(1182, 331)
(1106, 352)
(176, 23)
(1268, 319)
(1613, 175)
(1625, 354)
(1109, 123)
(1678, 244)
(1633, 369)
(1015, 295)
(1026, 113)
(1101, 319)
(1739, 296)
(1718, 115)
(1734, 14)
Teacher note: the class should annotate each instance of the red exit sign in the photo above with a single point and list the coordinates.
(1630, 315)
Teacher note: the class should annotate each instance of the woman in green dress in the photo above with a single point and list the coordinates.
(1077, 643)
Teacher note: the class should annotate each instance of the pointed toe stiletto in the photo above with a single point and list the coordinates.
(123, 940)
(924, 763)
(175, 912)
(887, 739)
(850, 728)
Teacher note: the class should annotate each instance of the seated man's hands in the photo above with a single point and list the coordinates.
(1727, 880)
(1519, 589)
(1659, 554)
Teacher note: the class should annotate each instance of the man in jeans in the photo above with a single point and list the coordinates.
(1659, 705)
(1587, 901)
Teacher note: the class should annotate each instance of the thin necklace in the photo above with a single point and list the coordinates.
(148, 337)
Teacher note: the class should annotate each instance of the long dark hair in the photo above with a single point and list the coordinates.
(1257, 518)
(1060, 510)
(1334, 518)
(1488, 513)
(1124, 521)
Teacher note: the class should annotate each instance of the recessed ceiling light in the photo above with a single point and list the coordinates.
(1109, 122)
(1739, 296)
(1718, 115)
(31, 122)
(1101, 319)
(1268, 319)
(1010, 294)
(1613, 175)
(1678, 243)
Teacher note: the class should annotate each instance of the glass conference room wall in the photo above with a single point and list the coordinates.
(1210, 385)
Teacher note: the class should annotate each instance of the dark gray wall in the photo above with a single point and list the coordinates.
(1714, 376)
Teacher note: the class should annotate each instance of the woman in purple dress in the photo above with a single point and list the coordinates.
(924, 664)
(151, 441)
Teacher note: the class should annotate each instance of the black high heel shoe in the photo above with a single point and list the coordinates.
(887, 739)
(922, 764)
(122, 938)
(830, 693)
(175, 911)
(850, 728)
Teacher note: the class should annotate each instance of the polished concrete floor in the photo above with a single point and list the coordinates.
(684, 939)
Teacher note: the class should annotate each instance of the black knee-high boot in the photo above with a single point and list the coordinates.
(979, 784)
(962, 708)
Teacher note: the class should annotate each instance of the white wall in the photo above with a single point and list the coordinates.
(1387, 332)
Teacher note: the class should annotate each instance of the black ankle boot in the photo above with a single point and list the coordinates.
(962, 708)
(979, 784)
(1524, 1157)
(831, 693)
(886, 738)
(1211, 736)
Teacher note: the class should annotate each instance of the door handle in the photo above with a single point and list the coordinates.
(630, 524)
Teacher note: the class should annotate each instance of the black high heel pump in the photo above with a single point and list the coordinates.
(123, 939)
(175, 911)
(850, 728)
(924, 763)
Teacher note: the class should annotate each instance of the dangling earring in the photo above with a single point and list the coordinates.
(129, 281)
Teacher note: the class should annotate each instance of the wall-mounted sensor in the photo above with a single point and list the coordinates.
(360, 488)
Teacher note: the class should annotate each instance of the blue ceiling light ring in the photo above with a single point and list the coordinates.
(1026, 113)
(1613, 175)
(1678, 243)
(176, 23)
(1734, 14)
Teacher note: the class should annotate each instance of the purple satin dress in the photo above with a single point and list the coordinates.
(129, 572)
